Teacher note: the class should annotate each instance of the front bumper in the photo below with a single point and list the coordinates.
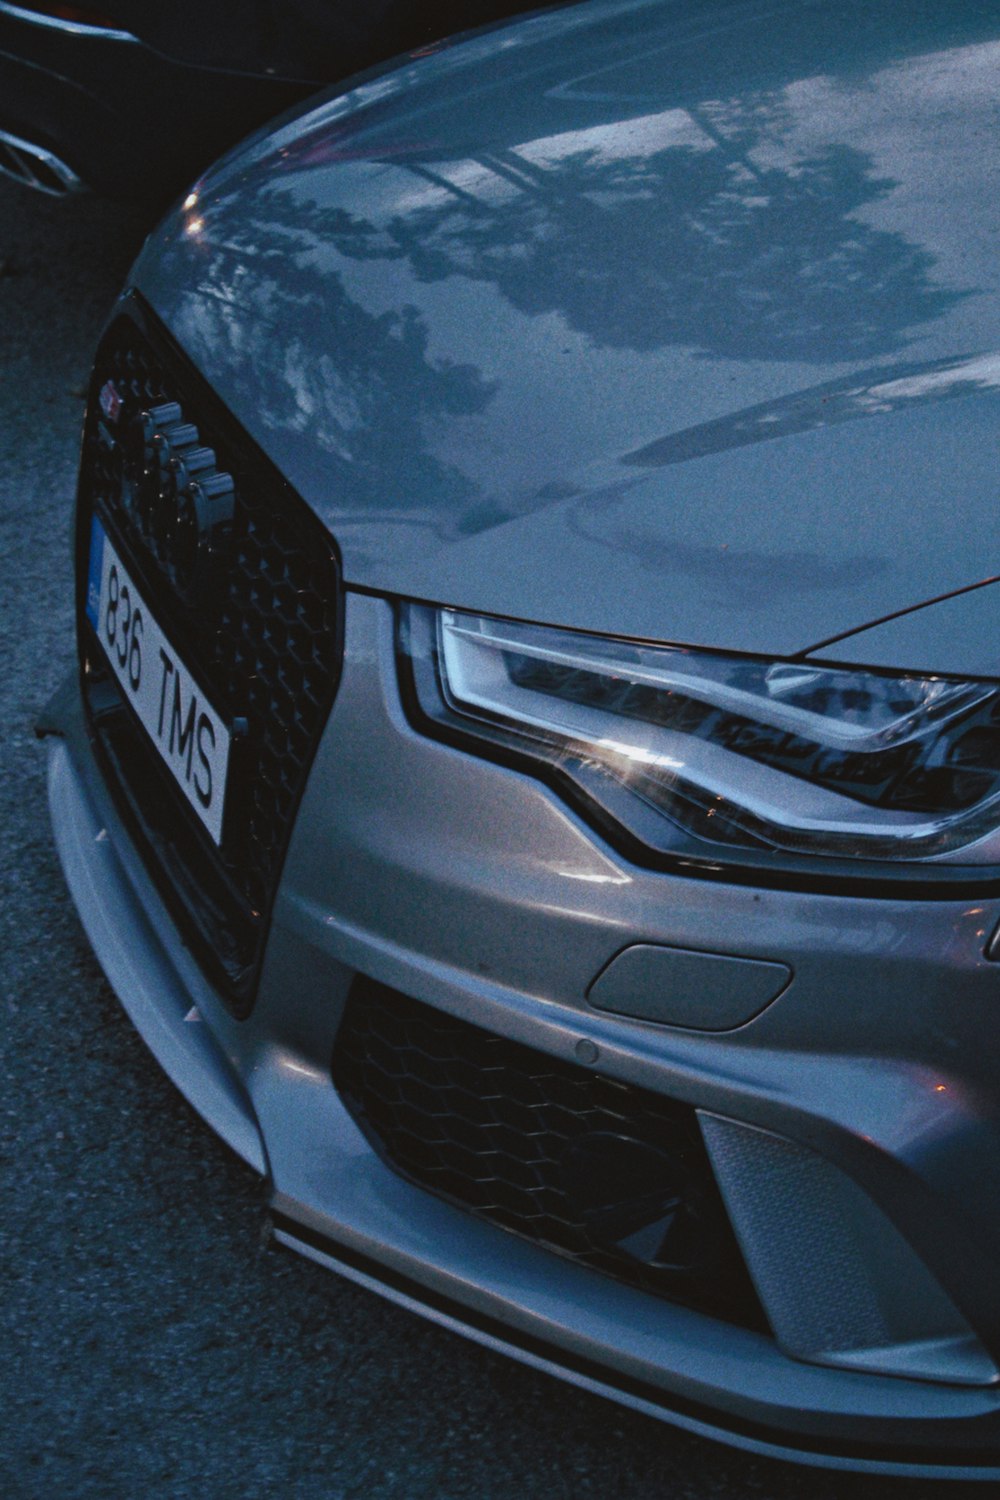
(473, 889)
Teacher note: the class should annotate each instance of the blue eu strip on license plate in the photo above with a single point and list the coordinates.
(94, 571)
(187, 732)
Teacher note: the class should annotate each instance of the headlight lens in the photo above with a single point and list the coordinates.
(690, 750)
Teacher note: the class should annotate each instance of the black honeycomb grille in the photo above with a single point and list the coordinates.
(602, 1172)
(264, 638)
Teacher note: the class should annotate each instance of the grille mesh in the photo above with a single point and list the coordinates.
(580, 1163)
(264, 640)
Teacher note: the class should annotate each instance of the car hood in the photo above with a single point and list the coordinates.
(667, 320)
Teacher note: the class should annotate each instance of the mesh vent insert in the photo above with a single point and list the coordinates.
(604, 1173)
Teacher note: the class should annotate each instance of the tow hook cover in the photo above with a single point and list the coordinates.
(683, 987)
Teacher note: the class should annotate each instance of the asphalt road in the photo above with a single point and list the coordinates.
(151, 1345)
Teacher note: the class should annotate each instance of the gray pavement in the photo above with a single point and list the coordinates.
(151, 1345)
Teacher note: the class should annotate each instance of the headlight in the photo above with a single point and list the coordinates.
(694, 752)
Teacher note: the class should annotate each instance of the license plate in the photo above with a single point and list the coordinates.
(189, 735)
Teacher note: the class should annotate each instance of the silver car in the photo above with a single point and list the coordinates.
(533, 777)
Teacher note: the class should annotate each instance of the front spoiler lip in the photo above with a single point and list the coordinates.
(320, 1245)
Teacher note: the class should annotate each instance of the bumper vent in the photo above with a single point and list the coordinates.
(259, 624)
(609, 1175)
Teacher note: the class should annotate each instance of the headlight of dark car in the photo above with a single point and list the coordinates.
(686, 750)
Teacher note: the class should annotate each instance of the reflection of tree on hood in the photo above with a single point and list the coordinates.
(704, 243)
(687, 246)
(358, 386)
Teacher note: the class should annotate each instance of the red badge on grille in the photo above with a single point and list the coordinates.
(111, 402)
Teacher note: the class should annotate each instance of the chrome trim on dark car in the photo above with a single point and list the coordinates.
(59, 23)
(35, 167)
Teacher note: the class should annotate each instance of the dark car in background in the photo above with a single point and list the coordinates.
(133, 97)
(533, 770)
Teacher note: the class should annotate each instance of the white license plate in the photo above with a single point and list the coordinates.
(191, 738)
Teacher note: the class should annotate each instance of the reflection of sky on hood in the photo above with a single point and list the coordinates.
(930, 125)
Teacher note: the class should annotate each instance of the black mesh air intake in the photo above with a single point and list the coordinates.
(254, 615)
(602, 1172)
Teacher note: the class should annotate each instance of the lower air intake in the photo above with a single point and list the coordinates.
(609, 1175)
